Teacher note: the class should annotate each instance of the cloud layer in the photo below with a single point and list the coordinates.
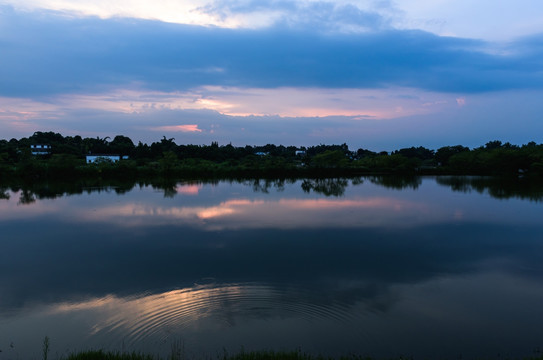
(299, 72)
(48, 54)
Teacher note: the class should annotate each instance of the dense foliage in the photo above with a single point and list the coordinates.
(66, 158)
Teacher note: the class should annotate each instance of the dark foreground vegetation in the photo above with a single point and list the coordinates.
(253, 355)
(178, 353)
(258, 355)
(65, 157)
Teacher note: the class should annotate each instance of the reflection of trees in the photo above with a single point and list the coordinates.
(32, 191)
(456, 183)
(397, 182)
(169, 186)
(497, 187)
(264, 185)
(327, 187)
(357, 181)
(56, 189)
(27, 197)
(4, 195)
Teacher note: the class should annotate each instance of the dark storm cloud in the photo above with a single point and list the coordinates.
(44, 54)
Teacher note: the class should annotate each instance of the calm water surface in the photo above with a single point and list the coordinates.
(429, 267)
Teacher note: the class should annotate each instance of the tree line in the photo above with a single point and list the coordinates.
(66, 157)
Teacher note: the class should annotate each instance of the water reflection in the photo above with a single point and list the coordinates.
(4, 194)
(500, 188)
(260, 214)
(328, 187)
(397, 182)
(331, 266)
(445, 317)
(265, 185)
(219, 307)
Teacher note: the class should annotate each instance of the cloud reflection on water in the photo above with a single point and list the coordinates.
(190, 189)
(240, 213)
(282, 214)
(363, 314)
(292, 267)
(223, 206)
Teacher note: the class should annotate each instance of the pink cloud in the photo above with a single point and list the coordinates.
(178, 128)
(189, 189)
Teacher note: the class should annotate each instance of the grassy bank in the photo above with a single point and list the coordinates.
(178, 353)
(253, 355)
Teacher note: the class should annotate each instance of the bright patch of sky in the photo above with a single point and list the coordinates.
(493, 20)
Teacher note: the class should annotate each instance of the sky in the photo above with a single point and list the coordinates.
(375, 74)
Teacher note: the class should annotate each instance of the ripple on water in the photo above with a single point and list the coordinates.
(174, 314)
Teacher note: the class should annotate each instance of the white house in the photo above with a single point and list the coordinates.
(40, 149)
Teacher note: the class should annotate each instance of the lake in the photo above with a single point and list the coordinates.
(421, 267)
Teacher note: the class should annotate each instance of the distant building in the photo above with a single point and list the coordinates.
(260, 153)
(103, 157)
(300, 152)
(40, 149)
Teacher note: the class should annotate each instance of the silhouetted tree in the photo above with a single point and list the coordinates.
(443, 154)
(122, 145)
